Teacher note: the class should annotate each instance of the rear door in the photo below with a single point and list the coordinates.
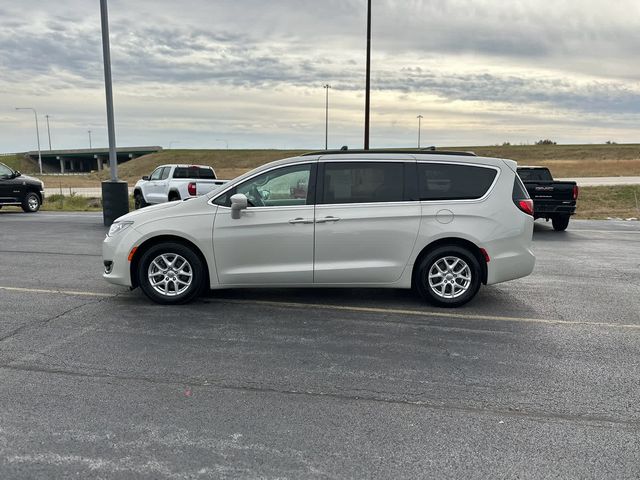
(367, 221)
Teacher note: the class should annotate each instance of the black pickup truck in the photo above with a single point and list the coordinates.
(20, 190)
(552, 200)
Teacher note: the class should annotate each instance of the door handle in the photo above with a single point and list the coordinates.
(301, 220)
(328, 219)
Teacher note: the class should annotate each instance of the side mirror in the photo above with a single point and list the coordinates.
(238, 203)
(17, 173)
(145, 177)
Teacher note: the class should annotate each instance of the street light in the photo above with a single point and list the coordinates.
(89, 132)
(326, 121)
(48, 130)
(223, 140)
(115, 194)
(367, 100)
(35, 114)
(419, 117)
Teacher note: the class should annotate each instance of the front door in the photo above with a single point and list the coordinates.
(9, 187)
(272, 241)
(366, 223)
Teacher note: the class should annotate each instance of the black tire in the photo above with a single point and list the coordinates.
(560, 222)
(31, 203)
(173, 295)
(173, 196)
(138, 201)
(437, 294)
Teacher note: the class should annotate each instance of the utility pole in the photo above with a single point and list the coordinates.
(367, 101)
(419, 117)
(35, 114)
(115, 194)
(326, 120)
(48, 130)
(89, 131)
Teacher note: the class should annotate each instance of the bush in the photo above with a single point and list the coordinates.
(546, 141)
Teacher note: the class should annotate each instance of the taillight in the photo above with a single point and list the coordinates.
(191, 188)
(526, 206)
(575, 192)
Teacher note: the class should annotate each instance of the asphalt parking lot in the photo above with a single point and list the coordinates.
(536, 378)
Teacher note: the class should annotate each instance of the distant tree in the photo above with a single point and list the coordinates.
(506, 144)
(546, 141)
(610, 142)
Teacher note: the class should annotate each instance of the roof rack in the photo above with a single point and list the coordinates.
(429, 150)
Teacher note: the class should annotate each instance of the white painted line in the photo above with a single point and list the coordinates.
(57, 292)
(427, 313)
(347, 308)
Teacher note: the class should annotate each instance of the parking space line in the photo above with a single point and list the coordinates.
(429, 313)
(59, 292)
(356, 309)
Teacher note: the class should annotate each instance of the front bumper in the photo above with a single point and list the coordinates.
(115, 256)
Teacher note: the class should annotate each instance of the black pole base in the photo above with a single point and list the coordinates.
(115, 201)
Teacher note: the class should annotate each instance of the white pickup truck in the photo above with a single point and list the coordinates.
(175, 182)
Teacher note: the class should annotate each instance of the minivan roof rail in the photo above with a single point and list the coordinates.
(429, 150)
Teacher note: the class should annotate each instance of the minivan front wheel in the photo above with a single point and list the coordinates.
(171, 273)
(449, 276)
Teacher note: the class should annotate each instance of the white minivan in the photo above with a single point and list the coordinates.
(440, 222)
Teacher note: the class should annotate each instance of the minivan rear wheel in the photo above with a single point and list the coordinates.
(171, 273)
(449, 276)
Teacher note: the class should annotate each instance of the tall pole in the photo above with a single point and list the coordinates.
(326, 118)
(106, 54)
(367, 100)
(48, 130)
(89, 132)
(35, 114)
(420, 117)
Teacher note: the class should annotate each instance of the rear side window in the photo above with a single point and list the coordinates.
(440, 181)
(194, 172)
(519, 192)
(363, 182)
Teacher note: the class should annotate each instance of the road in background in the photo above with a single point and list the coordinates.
(602, 181)
(536, 378)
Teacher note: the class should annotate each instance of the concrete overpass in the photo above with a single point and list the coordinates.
(86, 160)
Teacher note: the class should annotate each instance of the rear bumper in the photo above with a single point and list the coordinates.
(544, 209)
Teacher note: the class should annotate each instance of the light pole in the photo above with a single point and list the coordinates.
(115, 194)
(326, 118)
(223, 140)
(367, 98)
(89, 132)
(419, 117)
(48, 130)
(35, 114)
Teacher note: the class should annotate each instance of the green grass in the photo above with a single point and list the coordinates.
(75, 203)
(621, 201)
(13, 161)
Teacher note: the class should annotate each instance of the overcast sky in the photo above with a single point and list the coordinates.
(200, 73)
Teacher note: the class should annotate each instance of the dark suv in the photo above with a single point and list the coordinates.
(21, 190)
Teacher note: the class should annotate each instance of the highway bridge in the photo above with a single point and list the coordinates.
(86, 160)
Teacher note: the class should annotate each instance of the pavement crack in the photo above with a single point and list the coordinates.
(362, 395)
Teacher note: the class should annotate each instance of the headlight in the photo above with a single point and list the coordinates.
(118, 227)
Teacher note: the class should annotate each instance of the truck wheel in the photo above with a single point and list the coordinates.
(173, 196)
(31, 203)
(449, 276)
(138, 201)
(171, 273)
(560, 222)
